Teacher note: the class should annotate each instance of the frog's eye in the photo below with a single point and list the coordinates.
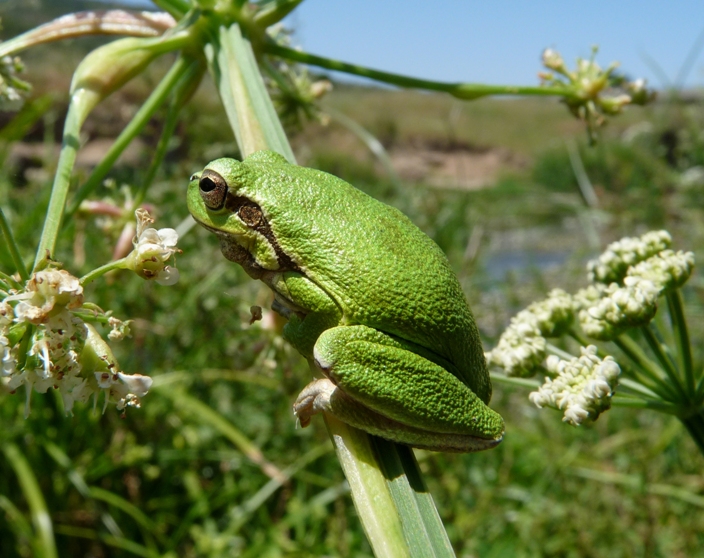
(213, 189)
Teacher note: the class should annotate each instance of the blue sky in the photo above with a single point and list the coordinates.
(501, 41)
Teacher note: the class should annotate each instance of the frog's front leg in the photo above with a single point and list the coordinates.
(375, 383)
(309, 309)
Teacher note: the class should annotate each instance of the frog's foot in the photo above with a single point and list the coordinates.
(323, 396)
(376, 384)
(314, 398)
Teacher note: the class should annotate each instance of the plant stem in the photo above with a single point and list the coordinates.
(422, 526)
(369, 489)
(102, 270)
(6, 231)
(679, 326)
(466, 91)
(183, 90)
(513, 381)
(135, 126)
(646, 366)
(638, 403)
(695, 427)
(667, 366)
(81, 24)
(244, 95)
(62, 181)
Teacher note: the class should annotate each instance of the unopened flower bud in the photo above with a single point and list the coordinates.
(109, 67)
(582, 386)
(152, 249)
(553, 61)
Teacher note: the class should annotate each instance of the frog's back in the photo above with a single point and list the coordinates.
(382, 270)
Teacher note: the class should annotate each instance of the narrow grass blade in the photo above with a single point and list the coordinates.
(110, 540)
(633, 481)
(45, 545)
(184, 402)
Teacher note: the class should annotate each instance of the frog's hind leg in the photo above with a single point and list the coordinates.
(375, 383)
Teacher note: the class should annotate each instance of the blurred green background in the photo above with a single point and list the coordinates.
(213, 464)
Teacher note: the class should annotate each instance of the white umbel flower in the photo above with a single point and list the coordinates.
(520, 351)
(621, 307)
(613, 264)
(582, 387)
(551, 316)
(667, 270)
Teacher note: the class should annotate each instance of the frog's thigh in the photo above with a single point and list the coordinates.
(321, 311)
(403, 391)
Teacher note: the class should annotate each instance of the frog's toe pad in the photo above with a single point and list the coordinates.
(314, 398)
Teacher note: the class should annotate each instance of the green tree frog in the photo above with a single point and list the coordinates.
(370, 300)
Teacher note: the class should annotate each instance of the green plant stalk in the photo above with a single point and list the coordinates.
(636, 403)
(665, 362)
(102, 270)
(646, 367)
(9, 281)
(182, 92)
(176, 8)
(695, 426)
(62, 181)
(370, 492)
(251, 114)
(465, 91)
(379, 499)
(192, 405)
(180, 68)
(425, 530)
(45, 545)
(638, 389)
(274, 11)
(371, 142)
(679, 326)
(12, 246)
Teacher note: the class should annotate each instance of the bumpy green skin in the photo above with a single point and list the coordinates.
(369, 297)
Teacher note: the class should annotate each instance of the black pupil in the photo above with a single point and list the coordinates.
(207, 185)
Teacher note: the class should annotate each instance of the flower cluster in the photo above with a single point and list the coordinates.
(11, 87)
(521, 348)
(582, 387)
(667, 270)
(294, 92)
(613, 264)
(626, 282)
(595, 93)
(619, 308)
(64, 352)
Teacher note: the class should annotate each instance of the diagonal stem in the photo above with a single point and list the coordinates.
(679, 326)
(466, 91)
(647, 367)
